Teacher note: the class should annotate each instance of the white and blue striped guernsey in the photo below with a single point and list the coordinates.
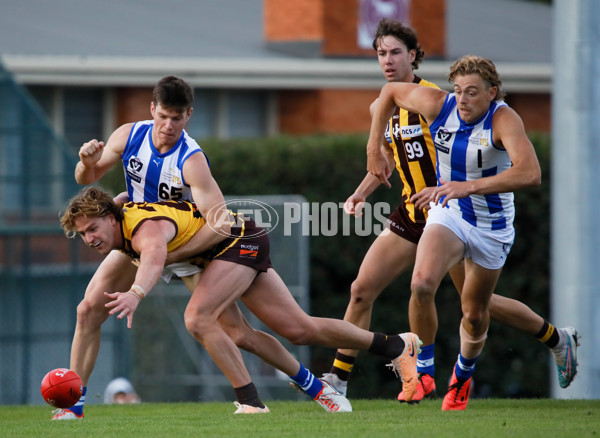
(151, 176)
(466, 152)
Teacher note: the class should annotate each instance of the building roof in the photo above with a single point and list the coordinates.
(219, 43)
(501, 30)
(140, 28)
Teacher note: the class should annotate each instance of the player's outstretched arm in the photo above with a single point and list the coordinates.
(150, 242)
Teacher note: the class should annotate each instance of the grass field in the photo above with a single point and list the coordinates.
(371, 418)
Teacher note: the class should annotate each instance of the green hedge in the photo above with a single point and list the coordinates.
(328, 168)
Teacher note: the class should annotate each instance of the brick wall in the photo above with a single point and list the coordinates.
(535, 110)
(334, 23)
(133, 104)
(293, 20)
(325, 111)
(341, 29)
(428, 19)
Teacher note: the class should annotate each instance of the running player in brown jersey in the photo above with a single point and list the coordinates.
(410, 146)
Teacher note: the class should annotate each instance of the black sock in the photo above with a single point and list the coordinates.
(548, 335)
(342, 366)
(386, 345)
(248, 395)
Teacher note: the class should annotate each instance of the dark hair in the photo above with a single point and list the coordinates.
(472, 64)
(90, 202)
(174, 93)
(395, 28)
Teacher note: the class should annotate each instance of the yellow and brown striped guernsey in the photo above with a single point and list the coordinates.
(184, 215)
(415, 158)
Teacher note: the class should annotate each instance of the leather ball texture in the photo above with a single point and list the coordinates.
(61, 388)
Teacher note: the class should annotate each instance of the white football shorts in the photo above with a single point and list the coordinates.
(181, 269)
(487, 248)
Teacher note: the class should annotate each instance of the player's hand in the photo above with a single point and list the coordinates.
(354, 205)
(123, 303)
(423, 198)
(378, 165)
(447, 190)
(452, 190)
(91, 152)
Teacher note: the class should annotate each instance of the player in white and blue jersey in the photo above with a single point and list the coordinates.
(162, 162)
(483, 155)
(152, 176)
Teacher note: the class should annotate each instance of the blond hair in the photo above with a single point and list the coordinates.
(89, 202)
(472, 64)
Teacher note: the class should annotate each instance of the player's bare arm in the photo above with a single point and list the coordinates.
(150, 242)
(426, 101)
(211, 204)
(354, 203)
(96, 158)
(377, 164)
(525, 171)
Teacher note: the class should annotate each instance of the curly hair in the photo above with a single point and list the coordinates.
(472, 64)
(89, 202)
(395, 28)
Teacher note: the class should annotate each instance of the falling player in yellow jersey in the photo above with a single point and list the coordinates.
(148, 231)
(410, 147)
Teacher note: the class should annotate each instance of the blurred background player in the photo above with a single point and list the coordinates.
(120, 391)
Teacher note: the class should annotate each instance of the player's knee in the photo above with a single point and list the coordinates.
(473, 315)
(422, 289)
(362, 294)
(90, 313)
(195, 324)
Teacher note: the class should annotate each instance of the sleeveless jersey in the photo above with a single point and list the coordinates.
(151, 176)
(466, 152)
(184, 215)
(408, 135)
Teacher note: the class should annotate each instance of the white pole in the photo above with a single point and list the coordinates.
(575, 214)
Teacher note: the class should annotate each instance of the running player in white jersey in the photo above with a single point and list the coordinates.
(483, 154)
(410, 145)
(162, 162)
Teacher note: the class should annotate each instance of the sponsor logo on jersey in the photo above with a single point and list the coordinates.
(249, 251)
(479, 141)
(388, 138)
(411, 131)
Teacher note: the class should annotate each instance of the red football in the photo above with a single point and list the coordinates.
(62, 388)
